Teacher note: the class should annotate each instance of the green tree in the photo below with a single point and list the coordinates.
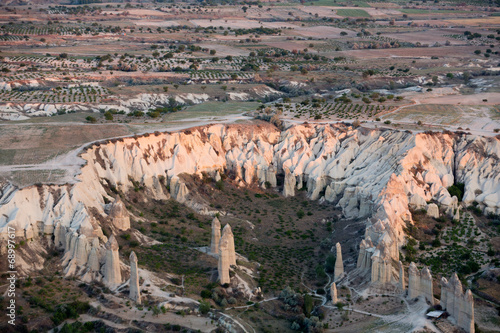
(204, 307)
(330, 263)
(308, 304)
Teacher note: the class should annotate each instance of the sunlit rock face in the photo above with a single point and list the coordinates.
(135, 292)
(119, 215)
(214, 245)
(372, 174)
(458, 304)
(111, 268)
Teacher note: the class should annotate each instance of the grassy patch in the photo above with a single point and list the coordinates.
(352, 13)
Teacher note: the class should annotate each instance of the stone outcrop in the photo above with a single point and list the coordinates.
(214, 245)
(339, 263)
(227, 234)
(223, 265)
(420, 283)
(111, 269)
(227, 254)
(289, 184)
(401, 282)
(413, 281)
(426, 288)
(366, 250)
(118, 213)
(135, 291)
(333, 293)
(433, 210)
(364, 172)
(459, 305)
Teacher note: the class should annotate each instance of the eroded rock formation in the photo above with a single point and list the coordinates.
(120, 218)
(135, 292)
(339, 263)
(223, 266)
(420, 283)
(401, 282)
(227, 235)
(368, 173)
(214, 245)
(458, 304)
(333, 293)
(111, 268)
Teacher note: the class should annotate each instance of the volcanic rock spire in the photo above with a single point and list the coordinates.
(111, 269)
(339, 264)
(214, 246)
(135, 292)
(223, 266)
(333, 293)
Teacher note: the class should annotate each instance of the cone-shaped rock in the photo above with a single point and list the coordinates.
(339, 264)
(214, 246)
(223, 266)
(135, 292)
(119, 215)
(333, 293)
(227, 233)
(111, 268)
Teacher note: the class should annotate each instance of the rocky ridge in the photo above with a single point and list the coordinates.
(372, 174)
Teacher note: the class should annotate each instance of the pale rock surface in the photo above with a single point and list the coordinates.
(333, 293)
(135, 292)
(365, 171)
(433, 210)
(426, 288)
(417, 202)
(459, 305)
(289, 184)
(227, 235)
(111, 268)
(413, 281)
(223, 265)
(401, 283)
(214, 246)
(339, 263)
(420, 283)
(119, 215)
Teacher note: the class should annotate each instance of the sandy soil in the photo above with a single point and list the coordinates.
(225, 50)
(486, 21)
(128, 315)
(228, 23)
(157, 23)
(322, 32)
(426, 37)
(476, 99)
(425, 52)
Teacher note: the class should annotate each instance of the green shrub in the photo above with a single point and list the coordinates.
(457, 190)
(204, 307)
